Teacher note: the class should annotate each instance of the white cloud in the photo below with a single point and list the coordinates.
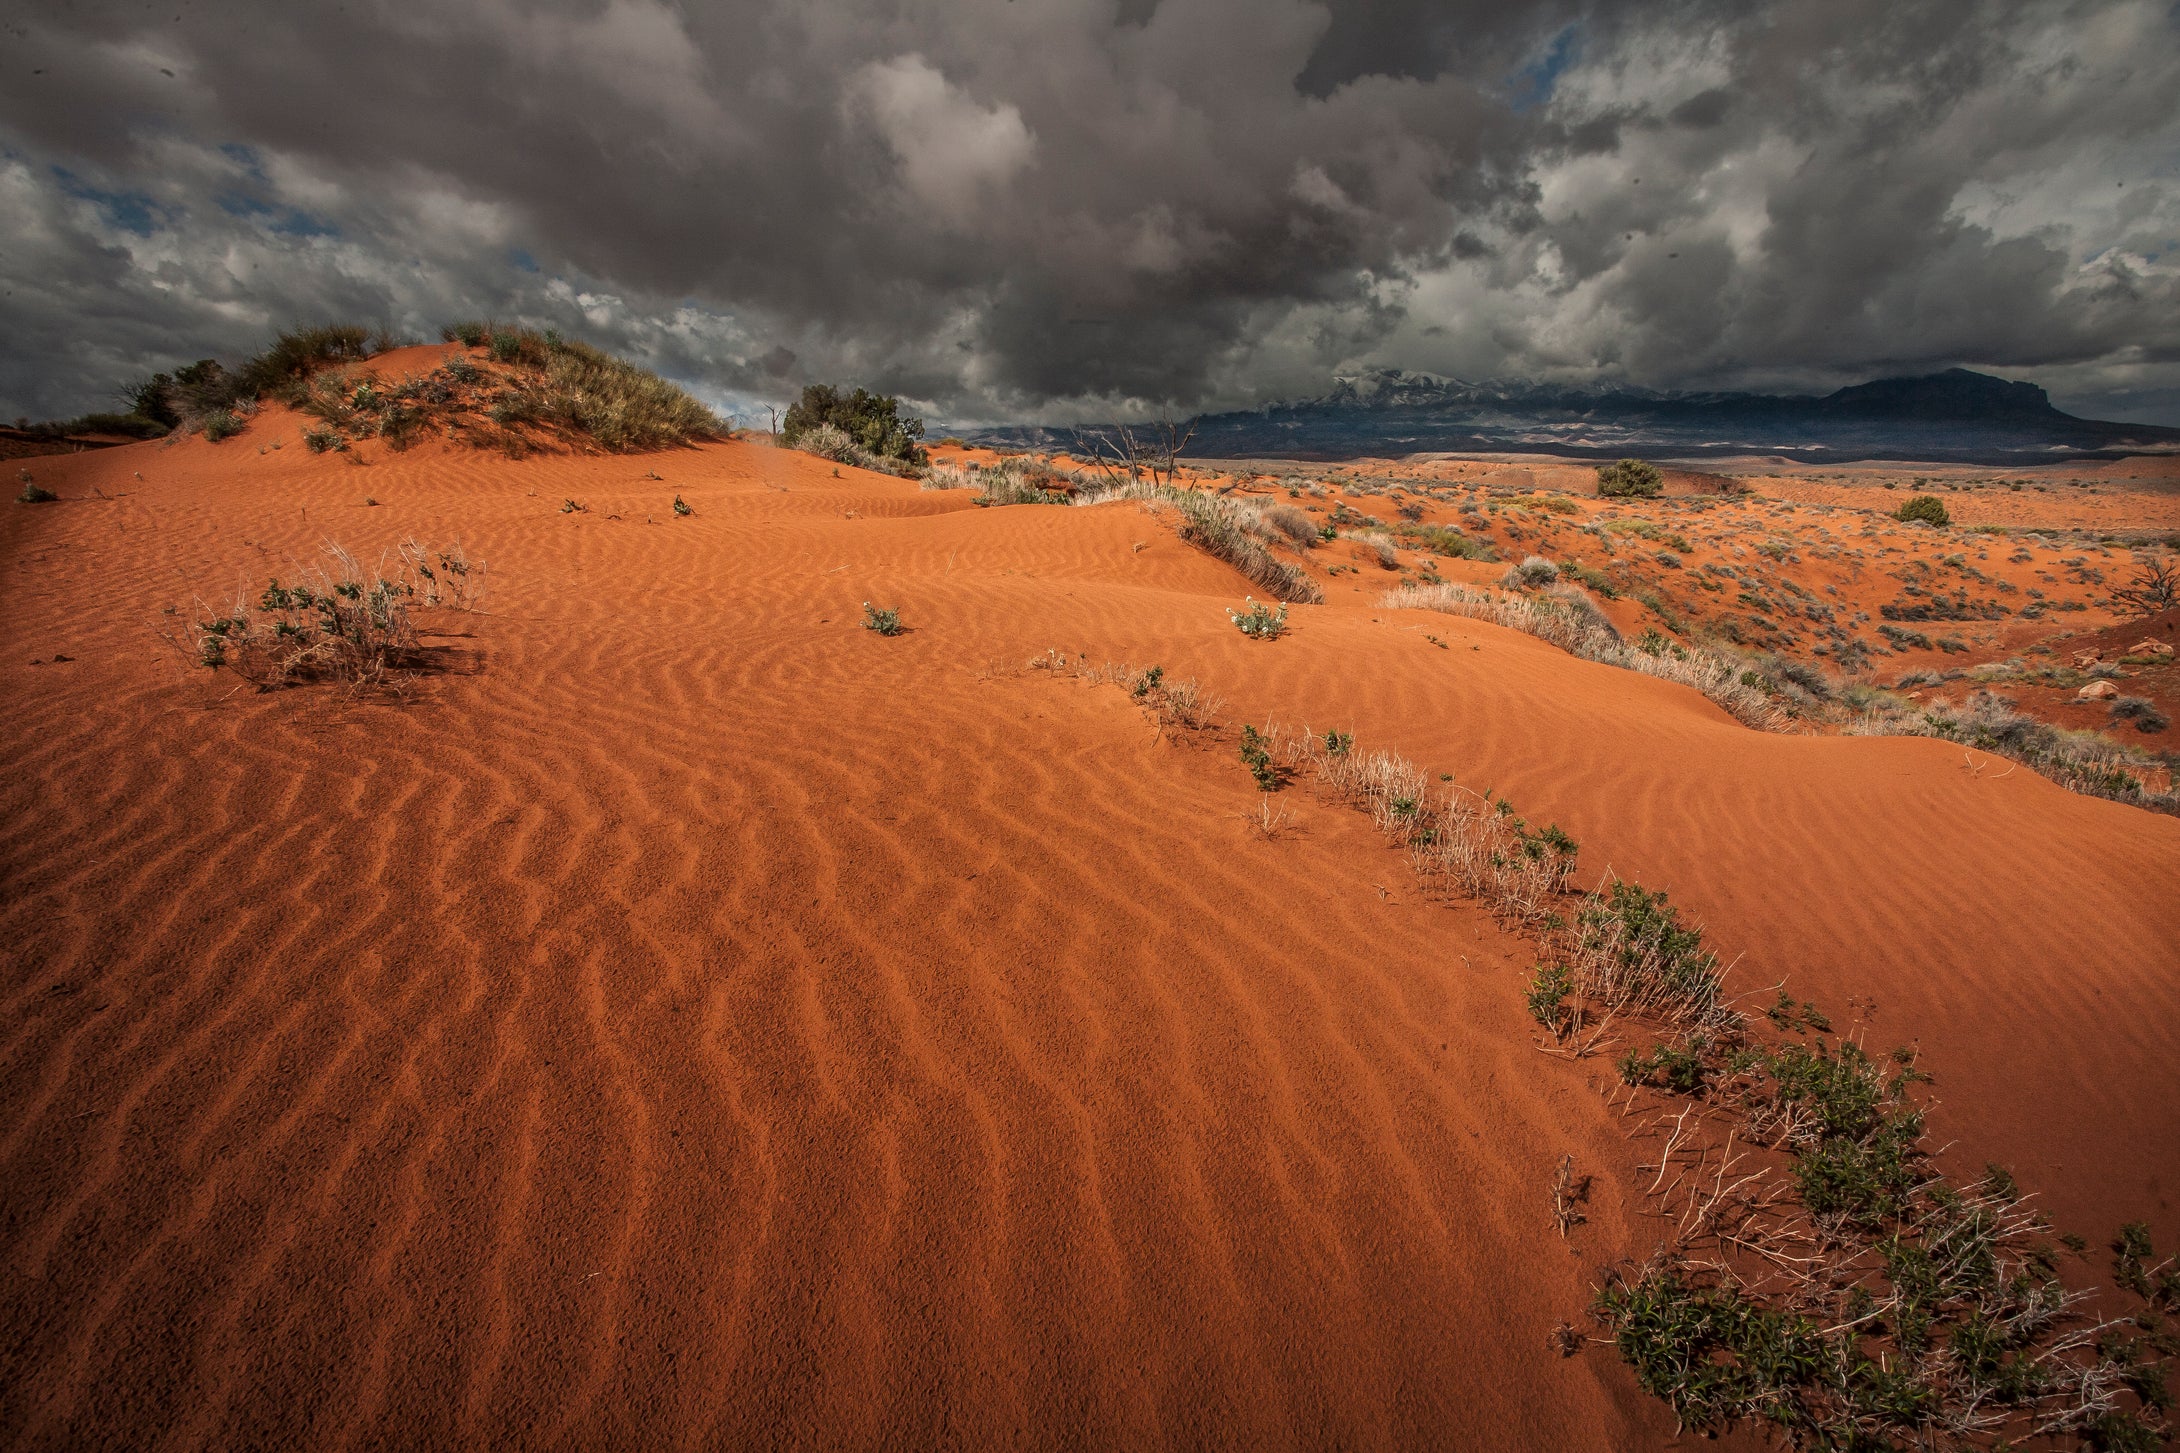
(954, 153)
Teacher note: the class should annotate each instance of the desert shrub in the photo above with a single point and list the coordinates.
(2142, 712)
(948, 476)
(336, 622)
(1020, 480)
(400, 424)
(872, 422)
(618, 405)
(1927, 508)
(470, 333)
(885, 620)
(1633, 954)
(1533, 572)
(1293, 525)
(827, 442)
(1381, 548)
(35, 494)
(2154, 587)
(221, 424)
(1256, 755)
(204, 388)
(1440, 540)
(324, 438)
(681, 507)
(1469, 839)
(150, 399)
(1590, 579)
(294, 357)
(1630, 479)
(132, 425)
(1259, 622)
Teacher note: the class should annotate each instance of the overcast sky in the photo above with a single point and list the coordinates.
(1017, 209)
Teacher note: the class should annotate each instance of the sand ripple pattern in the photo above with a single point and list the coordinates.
(710, 1024)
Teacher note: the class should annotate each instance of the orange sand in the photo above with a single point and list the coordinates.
(702, 1022)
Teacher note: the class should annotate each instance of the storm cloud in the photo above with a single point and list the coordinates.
(1016, 209)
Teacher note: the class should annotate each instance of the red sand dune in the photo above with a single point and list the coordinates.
(703, 1022)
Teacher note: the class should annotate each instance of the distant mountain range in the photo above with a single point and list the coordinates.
(1951, 417)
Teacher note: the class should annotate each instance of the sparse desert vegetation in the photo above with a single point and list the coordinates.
(338, 621)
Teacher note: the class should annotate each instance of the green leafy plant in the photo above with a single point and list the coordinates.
(1256, 754)
(1927, 508)
(1547, 996)
(681, 506)
(886, 621)
(35, 494)
(1259, 622)
(221, 424)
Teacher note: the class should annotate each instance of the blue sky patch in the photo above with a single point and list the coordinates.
(134, 212)
(1532, 85)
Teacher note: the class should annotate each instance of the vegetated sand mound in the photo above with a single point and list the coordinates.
(697, 1020)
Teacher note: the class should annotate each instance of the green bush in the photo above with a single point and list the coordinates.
(324, 437)
(35, 494)
(1259, 622)
(873, 422)
(886, 621)
(1925, 507)
(1630, 479)
(221, 424)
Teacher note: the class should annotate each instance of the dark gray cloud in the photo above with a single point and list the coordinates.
(1014, 208)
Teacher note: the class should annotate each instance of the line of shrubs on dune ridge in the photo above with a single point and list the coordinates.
(530, 389)
(1819, 1275)
(1771, 693)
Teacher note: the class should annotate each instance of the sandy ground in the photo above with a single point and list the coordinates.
(695, 1020)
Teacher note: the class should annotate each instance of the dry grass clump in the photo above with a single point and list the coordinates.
(1017, 480)
(1184, 703)
(1233, 531)
(1566, 616)
(281, 370)
(336, 622)
(619, 406)
(1472, 841)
